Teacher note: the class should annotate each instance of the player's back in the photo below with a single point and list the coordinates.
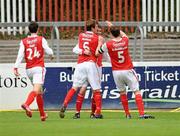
(88, 40)
(119, 54)
(34, 52)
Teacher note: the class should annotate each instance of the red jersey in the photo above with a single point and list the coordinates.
(34, 52)
(119, 54)
(88, 40)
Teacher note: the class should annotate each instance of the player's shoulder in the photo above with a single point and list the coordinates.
(109, 41)
(40, 37)
(81, 34)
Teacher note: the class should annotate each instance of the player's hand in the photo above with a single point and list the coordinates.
(109, 23)
(16, 73)
(51, 57)
(87, 52)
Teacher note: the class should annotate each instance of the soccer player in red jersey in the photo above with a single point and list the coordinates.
(80, 97)
(32, 49)
(86, 69)
(81, 93)
(122, 69)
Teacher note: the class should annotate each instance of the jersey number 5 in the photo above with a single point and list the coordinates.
(120, 56)
(32, 55)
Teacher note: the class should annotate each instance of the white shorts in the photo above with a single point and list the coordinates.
(87, 72)
(100, 74)
(125, 78)
(36, 74)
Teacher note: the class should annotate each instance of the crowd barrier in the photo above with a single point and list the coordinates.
(159, 84)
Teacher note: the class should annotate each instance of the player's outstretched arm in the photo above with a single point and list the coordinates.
(121, 32)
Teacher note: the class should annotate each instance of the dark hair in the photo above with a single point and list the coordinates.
(115, 31)
(90, 24)
(33, 27)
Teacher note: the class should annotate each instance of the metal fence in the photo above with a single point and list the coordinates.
(140, 27)
(80, 10)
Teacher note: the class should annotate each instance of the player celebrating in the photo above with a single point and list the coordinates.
(86, 69)
(122, 69)
(80, 97)
(32, 49)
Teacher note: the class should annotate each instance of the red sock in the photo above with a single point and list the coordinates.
(30, 98)
(140, 104)
(98, 101)
(93, 106)
(69, 96)
(40, 103)
(79, 101)
(124, 101)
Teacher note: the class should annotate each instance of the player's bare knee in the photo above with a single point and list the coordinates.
(75, 88)
(122, 92)
(137, 92)
(37, 88)
(97, 90)
(82, 90)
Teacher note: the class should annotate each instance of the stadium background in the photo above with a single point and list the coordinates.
(148, 42)
(153, 27)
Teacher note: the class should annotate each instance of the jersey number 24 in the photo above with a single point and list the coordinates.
(33, 53)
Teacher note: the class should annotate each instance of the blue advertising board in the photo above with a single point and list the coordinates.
(160, 87)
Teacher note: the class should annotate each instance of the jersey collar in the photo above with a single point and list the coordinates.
(90, 32)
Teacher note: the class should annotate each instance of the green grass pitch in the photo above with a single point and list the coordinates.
(113, 124)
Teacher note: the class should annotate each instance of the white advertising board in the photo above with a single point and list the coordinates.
(13, 90)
